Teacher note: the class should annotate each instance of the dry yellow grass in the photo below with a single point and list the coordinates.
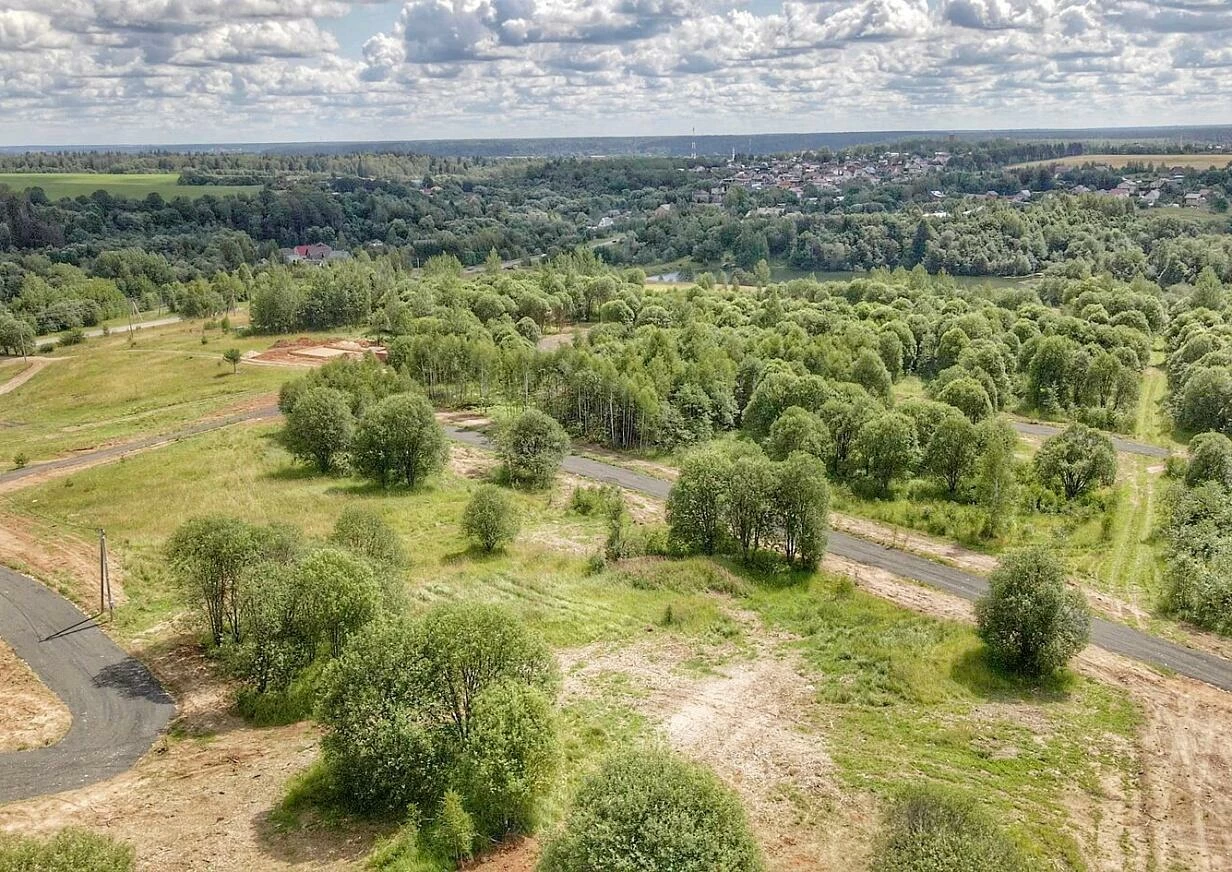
(1189, 161)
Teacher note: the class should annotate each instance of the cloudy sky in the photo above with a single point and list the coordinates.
(165, 71)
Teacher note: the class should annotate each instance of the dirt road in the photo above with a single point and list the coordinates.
(117, 706)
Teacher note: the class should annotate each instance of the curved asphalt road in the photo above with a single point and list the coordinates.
(118, 707)
(1126, 446)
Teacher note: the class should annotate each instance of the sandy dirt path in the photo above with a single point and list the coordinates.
(32, 716)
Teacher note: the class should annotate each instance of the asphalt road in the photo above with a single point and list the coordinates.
(118, 707)
(1128, 446)
(118, 329)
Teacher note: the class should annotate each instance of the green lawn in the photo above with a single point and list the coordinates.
(109, 389)
(58, 185)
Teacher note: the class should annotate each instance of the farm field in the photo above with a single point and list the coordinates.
(59, 185)
(1189, 161)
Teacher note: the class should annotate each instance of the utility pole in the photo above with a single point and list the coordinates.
(105, 601)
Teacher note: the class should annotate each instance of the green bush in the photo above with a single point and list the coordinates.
(70, 850)
(409, 714)
(454, 832)
(648, 810)
(930, 830)
(532, 446)
(1031, 620)
(365, 533)
(490, 520)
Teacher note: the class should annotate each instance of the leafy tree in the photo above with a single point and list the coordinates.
(1205, 401)
(402, 702)
(799, 430)
(646, 811)
(1210, 459)
(1048, 372)
(869, 372)
(342, 595)
(319, 427)
(398, 439)
(533, 446)
(233, 356)
(697, 504)
(364, 532)
(951, 453)
(927, 829)
(968, 396)
(996, 472)
(209, 555)
(750, 493)
(490, 520)
(1076, 460)
(280, 638)
(801, 506)
(1032, 622)
(886, 446)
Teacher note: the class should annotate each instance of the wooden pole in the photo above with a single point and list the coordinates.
(107, 580)
(102, 570)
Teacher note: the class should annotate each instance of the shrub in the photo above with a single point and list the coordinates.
(646, 811)
(532, 446)
(398, 439)
(930, 830)
(319, 427)
(1210, 459)
(1030, 619)
(365, 533)
(403, 700)
(602, 500)
(1076, 460)
(70, 850)
(20, 460)
(489, 519)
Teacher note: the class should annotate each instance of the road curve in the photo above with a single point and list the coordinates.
(1126, 446)
(118, 707)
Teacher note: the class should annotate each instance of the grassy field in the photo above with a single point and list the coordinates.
(59, 185)
(1189, 161)
(891, 697)
(107, 389)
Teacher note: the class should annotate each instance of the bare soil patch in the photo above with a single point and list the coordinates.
(202, 801)
(32, 716)
(307, 352)
(65, 560)
(25, 372)
(752, 718)
(553, 341)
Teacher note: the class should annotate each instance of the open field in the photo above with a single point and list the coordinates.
(108, 390)
(1188, 161)
(837, 683)
(59, 185)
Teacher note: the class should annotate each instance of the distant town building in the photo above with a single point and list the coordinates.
(317, 253)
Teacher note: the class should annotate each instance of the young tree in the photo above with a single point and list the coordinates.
(490, 520)
(801, 503)
(799, 430)
(869, 372)
(399, 439)
(1076, 460)
(454, 831)
(233, 356)
(319, 427)
(533, 446)
(1210, 459)
(996, 472)
(648, 810)
(750, 494)
(952, 452)
(968, 396)
(402, 702)
(887, 448)
(341, 593)
(1031, 620)
(697, 503)
(209, 555)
